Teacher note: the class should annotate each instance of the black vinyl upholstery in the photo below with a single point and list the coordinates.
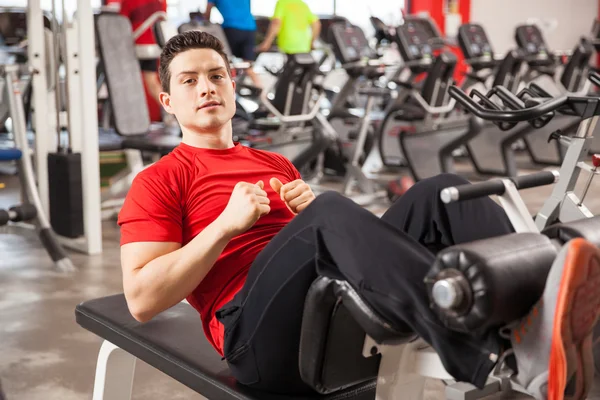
(504, 275)
(174, 343)
(333, 334)
(129, 113)
(587, 228)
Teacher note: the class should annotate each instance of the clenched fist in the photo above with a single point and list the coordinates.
(297, 195)
(246, 205)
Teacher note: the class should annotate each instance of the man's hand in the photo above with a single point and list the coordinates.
(297, 195)
(246, 205)
(263, 47)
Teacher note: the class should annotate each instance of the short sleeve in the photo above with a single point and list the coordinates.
(125, 8)
(279, 10)
(152, 212)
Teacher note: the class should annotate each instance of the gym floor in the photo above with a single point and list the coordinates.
(46, 355)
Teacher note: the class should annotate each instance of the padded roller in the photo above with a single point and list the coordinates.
(587, 228)
(488, 283)
(24, 212)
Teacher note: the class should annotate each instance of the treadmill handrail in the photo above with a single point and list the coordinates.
(290, 118)
(432, 109)
(525, 114)
(151, 20)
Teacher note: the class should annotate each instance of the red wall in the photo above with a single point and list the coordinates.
(435, 8)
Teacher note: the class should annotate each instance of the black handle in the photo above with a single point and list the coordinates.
(508, 98)
(472, 191)
(534, 180)
(495, 187)
(502, 115)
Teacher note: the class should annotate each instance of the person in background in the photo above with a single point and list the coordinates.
(240, 29)
(139, 11)
(295, 27)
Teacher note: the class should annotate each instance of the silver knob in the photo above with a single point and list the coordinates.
(447, 293)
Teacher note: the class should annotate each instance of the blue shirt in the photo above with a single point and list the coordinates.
(236, 14)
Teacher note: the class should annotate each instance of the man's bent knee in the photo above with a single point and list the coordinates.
(436, 183)
(331, 201)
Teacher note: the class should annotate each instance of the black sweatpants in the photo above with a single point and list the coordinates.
(385, 260)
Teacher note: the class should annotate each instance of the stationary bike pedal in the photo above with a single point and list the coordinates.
(556, 135)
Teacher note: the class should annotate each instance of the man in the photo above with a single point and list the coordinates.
(239, 234)
(138, 11)
(295, 27)
(240, 30)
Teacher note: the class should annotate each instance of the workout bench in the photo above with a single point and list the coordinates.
(346, 350)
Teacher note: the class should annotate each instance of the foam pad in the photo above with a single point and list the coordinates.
(335, 324)
(587, 228)
(505, 277)
(174, 342)
(10, 154)
(156, 141)
(123, 74)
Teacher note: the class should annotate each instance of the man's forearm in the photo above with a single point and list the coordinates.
(168, 279)
(316, 31)
(272, 32)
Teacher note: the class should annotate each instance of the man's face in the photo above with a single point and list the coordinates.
(202, 93)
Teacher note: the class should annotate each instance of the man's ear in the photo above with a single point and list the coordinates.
(233, 84)
(165, 100)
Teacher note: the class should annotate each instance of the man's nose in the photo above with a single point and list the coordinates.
(205, 86)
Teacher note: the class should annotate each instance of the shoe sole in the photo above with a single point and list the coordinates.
(576, 314)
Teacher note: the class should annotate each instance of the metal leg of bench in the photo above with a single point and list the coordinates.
(114, 373)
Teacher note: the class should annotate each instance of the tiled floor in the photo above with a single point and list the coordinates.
(44, 354)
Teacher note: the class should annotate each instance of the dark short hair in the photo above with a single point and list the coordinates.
(184, 42)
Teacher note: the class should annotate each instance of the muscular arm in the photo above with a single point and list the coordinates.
(158, 275)
(316, 31)
(272, 33)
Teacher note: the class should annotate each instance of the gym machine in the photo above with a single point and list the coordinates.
(347, 156)
(31, 208)
(543, 68)
(492, 152)
(538, 108)
(78, 112)
(421, 129)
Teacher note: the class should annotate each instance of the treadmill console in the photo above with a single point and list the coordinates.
(418, 38)
(474, 42)
(350, 43)
(327, 21)
(530, 39)
(13, 27)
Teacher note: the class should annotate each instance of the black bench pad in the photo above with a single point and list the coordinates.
(156, 141)
(174, 343)
(109, 140)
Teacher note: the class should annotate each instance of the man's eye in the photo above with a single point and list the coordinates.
(218, 77)
(189, 81)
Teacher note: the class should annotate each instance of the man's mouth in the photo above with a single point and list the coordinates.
(209, 104)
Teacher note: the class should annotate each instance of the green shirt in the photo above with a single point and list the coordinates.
(295, 35)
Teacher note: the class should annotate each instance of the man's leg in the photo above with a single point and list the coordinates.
(248, 54)
(423, 216)
(150, 76)
(337, 238)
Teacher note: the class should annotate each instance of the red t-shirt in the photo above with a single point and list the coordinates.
(139, 11)
(177, 197)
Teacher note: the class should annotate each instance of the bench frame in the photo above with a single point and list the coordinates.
(402, 373)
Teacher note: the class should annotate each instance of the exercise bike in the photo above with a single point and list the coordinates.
(537, 107)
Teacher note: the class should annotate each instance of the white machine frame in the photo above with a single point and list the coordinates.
(82, 118)
(403, 372)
